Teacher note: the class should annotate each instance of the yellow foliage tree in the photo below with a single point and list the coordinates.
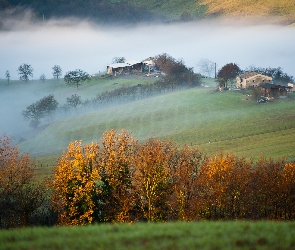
(73, 183)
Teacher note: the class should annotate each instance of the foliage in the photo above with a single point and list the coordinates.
(226, 73)
(277, 74)
(74, 101)
(119, 60)
(74, 184)
(25, 70)
(76, 77)
(157, 181)
(20, 194)
(43, 107)
(57, 71)
(177, 73)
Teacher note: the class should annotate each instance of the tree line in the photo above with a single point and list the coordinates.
(123, 180)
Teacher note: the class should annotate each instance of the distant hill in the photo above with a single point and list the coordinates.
(109, 11)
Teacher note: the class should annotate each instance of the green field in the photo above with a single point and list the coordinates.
(179, 235)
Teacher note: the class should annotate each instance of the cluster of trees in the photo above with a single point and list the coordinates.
(122, 180)
(21, 195)
(25, 71)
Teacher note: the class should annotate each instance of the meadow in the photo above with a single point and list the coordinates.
(200, 117)
(178, 235)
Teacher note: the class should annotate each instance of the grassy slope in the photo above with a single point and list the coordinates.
(197, 235)
(222, 121)
(282, 11)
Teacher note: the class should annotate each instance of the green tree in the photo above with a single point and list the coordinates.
(57, 71)
(25, 70)
(43, 107)
(74, 101)
(76, 77)
(119, 59)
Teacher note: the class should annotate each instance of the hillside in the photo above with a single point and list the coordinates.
(201, 117)
(109, 11)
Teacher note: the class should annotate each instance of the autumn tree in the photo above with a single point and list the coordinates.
(227, 73)
(153, 179)
(38, 110)
(57, 71)
(117, 191)
(20, 194)
(74, 184)
(25, 70)
(76, 77)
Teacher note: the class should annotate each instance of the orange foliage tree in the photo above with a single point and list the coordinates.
(20, 193)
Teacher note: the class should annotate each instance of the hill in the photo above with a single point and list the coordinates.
(109, 11)
(201, 117)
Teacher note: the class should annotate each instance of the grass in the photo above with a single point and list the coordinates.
(179, 235)
(282, 11)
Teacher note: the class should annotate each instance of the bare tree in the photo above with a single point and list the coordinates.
(25, 70)
(207, 67)
(7, 75)
(57, 71)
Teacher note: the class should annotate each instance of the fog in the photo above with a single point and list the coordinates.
(72, 44)
(79, 44)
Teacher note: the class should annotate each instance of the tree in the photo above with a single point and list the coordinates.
(57, 71)
(119, 60)
(227, 73)
(25, 70)
(74, 101)
(45, 106)
(75, 77)
(42, 78)
(207, 67)
(20, 193)
(7, 75)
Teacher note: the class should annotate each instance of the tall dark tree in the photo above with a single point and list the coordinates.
(76, 77)
(7, 75)
(57, 71)
(25, 70)
(227, 73)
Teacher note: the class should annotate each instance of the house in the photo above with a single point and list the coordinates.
(291, 87)
(126, 67)
(274, 90)
(251, 80)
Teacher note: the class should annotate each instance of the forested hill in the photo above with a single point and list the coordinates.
(274, 11)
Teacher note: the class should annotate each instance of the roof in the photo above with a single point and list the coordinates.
(248, 74)
(132, 62)
(118, 65)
